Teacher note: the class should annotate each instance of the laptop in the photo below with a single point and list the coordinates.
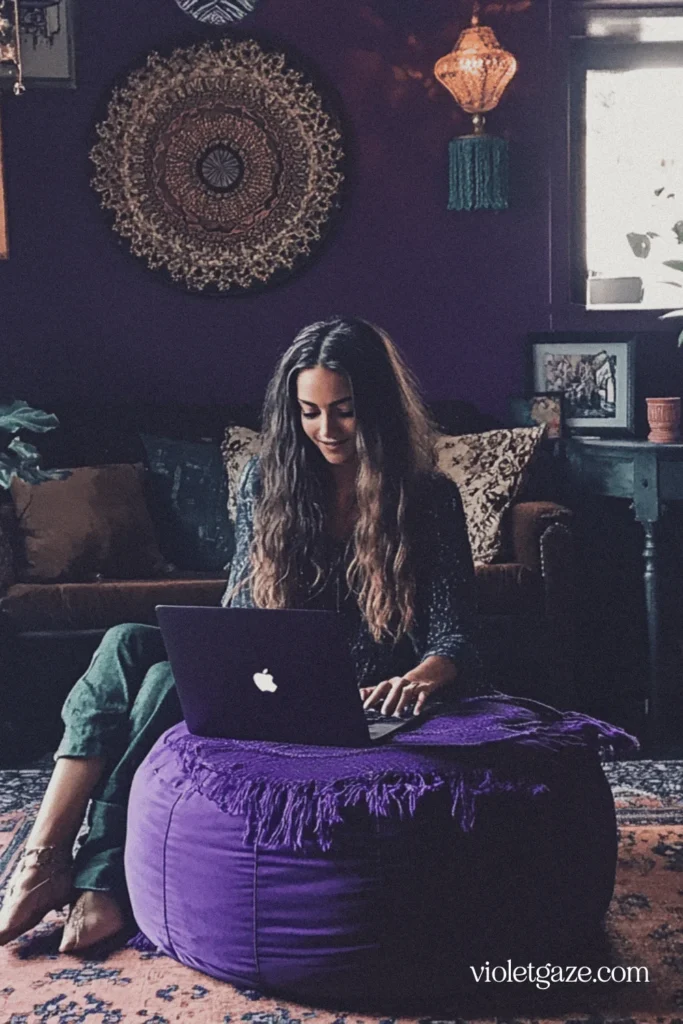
(262, 674)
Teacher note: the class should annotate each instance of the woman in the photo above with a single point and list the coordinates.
(342, 510)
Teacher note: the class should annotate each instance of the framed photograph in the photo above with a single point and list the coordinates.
(596, 378)
(544, 407)
(47, 45)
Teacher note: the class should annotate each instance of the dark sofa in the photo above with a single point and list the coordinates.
(49, 631)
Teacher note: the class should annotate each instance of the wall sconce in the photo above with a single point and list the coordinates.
(476, 73)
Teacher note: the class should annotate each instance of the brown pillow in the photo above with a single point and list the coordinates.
(94, 522)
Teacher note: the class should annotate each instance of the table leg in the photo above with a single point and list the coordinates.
(656, 731)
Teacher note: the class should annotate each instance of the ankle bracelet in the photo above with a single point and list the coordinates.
(44, 855)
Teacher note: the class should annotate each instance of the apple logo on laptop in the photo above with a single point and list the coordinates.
(265, 682)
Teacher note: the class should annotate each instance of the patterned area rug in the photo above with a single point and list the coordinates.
(647, 792)
(643, 929)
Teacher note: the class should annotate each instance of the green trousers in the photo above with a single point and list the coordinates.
(117, 710)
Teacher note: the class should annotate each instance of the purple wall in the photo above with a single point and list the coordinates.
(458, 292)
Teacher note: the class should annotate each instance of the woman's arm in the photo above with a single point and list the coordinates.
(445, 610)
(445, 631)
(244, 533)
(435, 669)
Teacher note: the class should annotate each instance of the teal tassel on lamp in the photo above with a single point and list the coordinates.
(476, 73)
(478, 173)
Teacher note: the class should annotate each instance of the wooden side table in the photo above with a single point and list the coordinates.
(650, 475)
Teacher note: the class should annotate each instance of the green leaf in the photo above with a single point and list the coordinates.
(20, 416)
(32, 475)
(28, 453)
(18, 457)
(640, 244)
(674, 264)
(7, 471)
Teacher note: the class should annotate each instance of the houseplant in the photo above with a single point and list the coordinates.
(674, 313)
(642, 246)
(22, 459)
(19, 457)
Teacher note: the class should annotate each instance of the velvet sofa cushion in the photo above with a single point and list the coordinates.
(505, 589)
(489, 469)
(57, 606)
(93, 523)
(188, 499)
(508, 588)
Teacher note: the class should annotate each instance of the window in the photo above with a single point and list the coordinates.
(626, 107)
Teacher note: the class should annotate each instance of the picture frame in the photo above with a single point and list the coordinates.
(597, 379)
(538, 409)
(47, 46)
(4, 238)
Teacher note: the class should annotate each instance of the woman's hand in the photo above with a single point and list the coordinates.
(396, 694)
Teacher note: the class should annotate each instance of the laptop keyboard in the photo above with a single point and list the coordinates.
(373, 715)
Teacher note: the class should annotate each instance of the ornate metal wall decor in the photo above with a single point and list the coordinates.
(220, 165)
(217, 12)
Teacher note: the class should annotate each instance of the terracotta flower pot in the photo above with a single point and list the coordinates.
(664, 418)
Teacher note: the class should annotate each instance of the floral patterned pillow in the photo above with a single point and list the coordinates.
(239, 444)
(489, 469)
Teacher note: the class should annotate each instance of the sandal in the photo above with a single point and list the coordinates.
(23, 909)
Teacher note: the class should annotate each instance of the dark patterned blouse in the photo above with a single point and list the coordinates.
(444, 620)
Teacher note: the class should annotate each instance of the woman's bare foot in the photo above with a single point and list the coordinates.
(41, 882)
(94, 917)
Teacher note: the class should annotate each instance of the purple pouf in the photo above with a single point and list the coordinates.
(356, 876)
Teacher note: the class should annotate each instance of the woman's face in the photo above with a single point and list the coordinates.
(327, 413)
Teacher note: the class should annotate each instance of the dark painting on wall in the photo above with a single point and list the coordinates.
(596, 378)
(47, 49)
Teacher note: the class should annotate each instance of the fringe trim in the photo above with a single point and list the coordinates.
(576, 730)
(286, 814)
(141, 943)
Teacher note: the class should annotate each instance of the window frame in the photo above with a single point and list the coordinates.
(590, 53)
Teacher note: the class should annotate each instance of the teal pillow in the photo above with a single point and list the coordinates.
(188, 501)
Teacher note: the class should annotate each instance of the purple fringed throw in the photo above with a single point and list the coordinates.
(141, 943)
(289, 794)
(517, 722)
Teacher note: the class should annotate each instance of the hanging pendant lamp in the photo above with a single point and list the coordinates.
(476, 73)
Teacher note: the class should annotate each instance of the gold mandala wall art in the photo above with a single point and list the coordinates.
(220, 165)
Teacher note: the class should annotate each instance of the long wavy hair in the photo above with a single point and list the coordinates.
(394, 444)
